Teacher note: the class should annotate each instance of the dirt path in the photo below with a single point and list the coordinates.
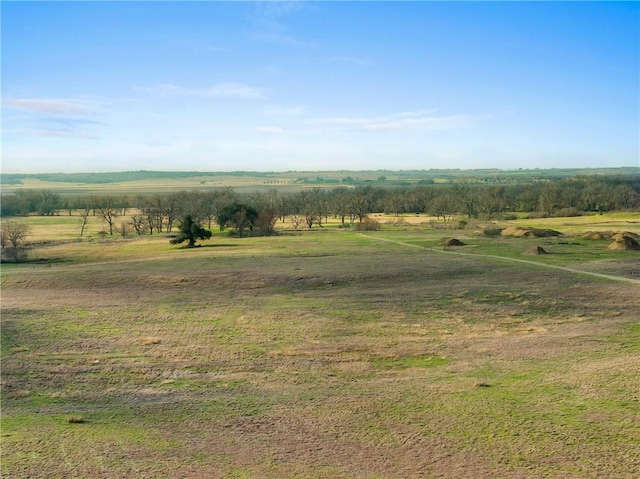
(505, 258)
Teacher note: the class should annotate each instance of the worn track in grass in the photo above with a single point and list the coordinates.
(507, 258)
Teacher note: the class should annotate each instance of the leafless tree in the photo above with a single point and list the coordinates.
(85, 211)
(13, 236)
(109, 211)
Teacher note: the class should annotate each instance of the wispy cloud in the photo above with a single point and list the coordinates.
(64, 133)
(57, 117)
(55, 106)
(271, 9)
(270, 19)
(220, 90)
(420, 120)
(270, 130)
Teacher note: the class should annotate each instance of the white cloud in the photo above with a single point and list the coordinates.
(51, 117)
(55, 106)
(421, 120)
(220, 90)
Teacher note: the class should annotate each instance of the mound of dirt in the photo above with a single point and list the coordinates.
(597, 235)
(624, 243)
(537, 250)
(451, 242)
(522, 232)
(488, 230)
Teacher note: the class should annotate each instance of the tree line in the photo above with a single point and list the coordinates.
(257, 213)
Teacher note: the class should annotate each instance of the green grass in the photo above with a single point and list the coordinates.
(318, 354)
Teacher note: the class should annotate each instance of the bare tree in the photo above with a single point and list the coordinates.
(124, 229)
(13, 236)
(138, 224)
(109, 211)
(85, 211)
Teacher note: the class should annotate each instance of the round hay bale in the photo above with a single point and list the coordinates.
(514, 231)
(521, 232)
(597, 235)
(488, 230)
(545, 233)
(625, 243)
(451, 242)
(537, 250)
(624, 234)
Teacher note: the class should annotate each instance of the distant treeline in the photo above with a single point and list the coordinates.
(363, 178)
(312, 207)
(115, 177)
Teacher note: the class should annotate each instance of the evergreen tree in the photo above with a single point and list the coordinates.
(190, 231)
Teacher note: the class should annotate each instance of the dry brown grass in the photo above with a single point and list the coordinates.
(319, 355)
(147, 340)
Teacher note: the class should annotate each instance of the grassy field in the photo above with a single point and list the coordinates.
(322, 354)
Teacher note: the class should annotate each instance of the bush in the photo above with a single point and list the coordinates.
(448, 225)
(368, 224)
(14, 255)
(535, 215)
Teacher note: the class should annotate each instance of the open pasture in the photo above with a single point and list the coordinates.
(320, 354)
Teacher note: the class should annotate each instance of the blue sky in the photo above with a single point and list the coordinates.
(278, 86)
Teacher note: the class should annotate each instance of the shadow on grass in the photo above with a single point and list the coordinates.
(37, 262)
(217, 245)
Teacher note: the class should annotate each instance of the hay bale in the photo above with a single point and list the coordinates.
(451, 242)
(624, 243)
(597, 235)
(513, 231)
(537, 250)
(488, 230)
(545, 233)
(522, 232)
(624, 234)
